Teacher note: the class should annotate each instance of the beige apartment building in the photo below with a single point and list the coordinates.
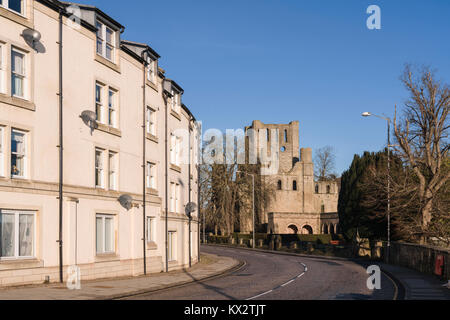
(125, 135)
(298, 204)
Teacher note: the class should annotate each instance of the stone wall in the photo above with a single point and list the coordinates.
(418, 257)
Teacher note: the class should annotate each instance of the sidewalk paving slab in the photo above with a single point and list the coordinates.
(209, 266)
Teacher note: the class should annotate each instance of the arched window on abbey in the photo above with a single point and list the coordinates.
(317, 188)
(294, 185)
(280, 185)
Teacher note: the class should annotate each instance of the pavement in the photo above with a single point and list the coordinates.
(210, 266)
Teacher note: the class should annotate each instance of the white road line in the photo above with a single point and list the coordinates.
(260, 295)
(300, 275)
(288, 283)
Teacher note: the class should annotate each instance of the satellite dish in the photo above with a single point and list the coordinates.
(190, 208)
(90, 119)
(31, 36)
(126, 201)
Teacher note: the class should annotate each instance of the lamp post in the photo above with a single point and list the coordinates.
(388, 120)
(253, 180)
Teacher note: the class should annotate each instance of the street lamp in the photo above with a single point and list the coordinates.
(388, 120)
(253, 180)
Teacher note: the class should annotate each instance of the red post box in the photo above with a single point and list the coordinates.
(439, 265)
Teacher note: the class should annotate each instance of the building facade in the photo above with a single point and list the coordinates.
(124, 134)
(298, 203)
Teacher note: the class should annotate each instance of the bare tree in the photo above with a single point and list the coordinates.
(422, 135)
(324, 163)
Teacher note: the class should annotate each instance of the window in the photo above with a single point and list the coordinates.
(317, 188)
(151, 67)
(176, 103)
(2, 68)
(285, 136)
(172, 197)
(151, 175)
(17, 234)
(2, 152)
(328, 189)
(105, 234)
(113, 171)
(177, 198)
(322, 208)
(151, 121)
(294, 185)
(280, 185)
(112, 121)
(18, 153)
(172, 245)
(105, 41)
(175, 150)
(18, 73)
(98, 102)
(150, 229)
(15, 5)
(99, 179)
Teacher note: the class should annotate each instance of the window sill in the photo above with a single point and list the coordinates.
(16, 17)
(175, 114)
(152, 138)
(13, 264)
(106, 257)
(17, 102)
(151, 245)
(152, 192)
(109, 129)
(175, 168)
(151, 85)
(107, 63)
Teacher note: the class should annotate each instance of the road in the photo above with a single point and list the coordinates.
(267, 276)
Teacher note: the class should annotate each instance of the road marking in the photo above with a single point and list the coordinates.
(281, 286)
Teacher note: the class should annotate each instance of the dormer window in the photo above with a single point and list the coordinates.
(105, 41)
(14, 5)
(176, 101)
(151, 69)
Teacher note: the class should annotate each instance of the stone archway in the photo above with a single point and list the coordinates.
(325, 229)
(307, 229)
(332, 228)
(292, 229)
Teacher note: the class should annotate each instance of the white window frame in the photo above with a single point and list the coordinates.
(177, 198)
(151, 175)
(112, 107)
(151, 69)
(101, 37)
(22, 76)
(113, 170)
(99, 168)
(151, 121)
(150, 236)
(99, 105)
(2, 151)
(175, 150)
(176, 101)
(172, 197)
(113, 240)
(17, 214)
(2, 67)
(172, 245)
(5, 5)
(23, 154)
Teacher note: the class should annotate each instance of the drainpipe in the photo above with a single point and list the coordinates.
(60, 146)
(144, 161)
(167, 180)
(190, 187)
(199, 158)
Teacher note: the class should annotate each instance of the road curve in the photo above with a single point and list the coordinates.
(267, 276)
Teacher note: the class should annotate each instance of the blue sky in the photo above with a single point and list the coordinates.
(278, 61)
